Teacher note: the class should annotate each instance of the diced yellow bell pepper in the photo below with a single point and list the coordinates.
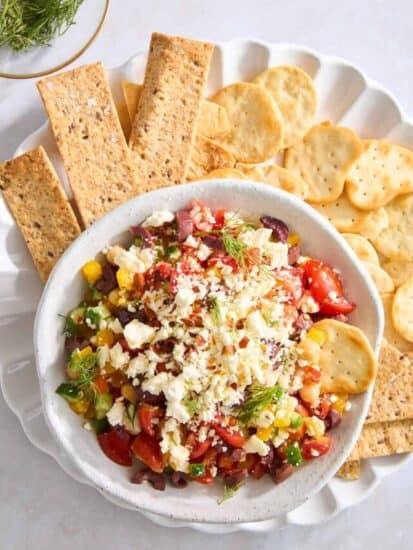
(293, 239)
(104, 337)
(84, 352)
(92, 271)
(317, 335)
(124, 278)
(265, 433)
(314, 427)
(340, 404)
(80, 407)
(113, 297)
(282, 420)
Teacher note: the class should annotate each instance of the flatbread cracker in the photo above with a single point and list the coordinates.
(296, 96)
(342, 214)
(362, 248)
(131, 93)
(402, 310)
(390, 333)
(256, 124)
(382, 172)
(164, 128)
(90, 140)
(393, 390)
(323, 159)
(277, 176)
(207, 155)
(380, 278)
(40, 207)
(350, 470)
(347, 362)
(383, 439)
(396, 240)
(399, 270)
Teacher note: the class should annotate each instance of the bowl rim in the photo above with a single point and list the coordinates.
(156, 198)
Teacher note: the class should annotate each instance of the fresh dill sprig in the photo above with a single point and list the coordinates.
(259, 399)
(215, 309)
(28, 23)
(235, 248)
(192, 406)
(229, 492)
(84, 368)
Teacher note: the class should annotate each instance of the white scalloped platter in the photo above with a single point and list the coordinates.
(347, 97)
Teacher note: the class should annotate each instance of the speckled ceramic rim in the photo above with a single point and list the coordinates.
(75, 56)
(160, 506)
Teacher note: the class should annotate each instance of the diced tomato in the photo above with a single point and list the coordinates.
(199, 449)
(116, 446)
(201, 216)
(219, 216)
(232, 437)
(147, 450)
(205, 479)
(225, 462)
(226, 260)
(292, 279)
(313, 448)
(337, 306)
(101, 385)
(258, 470)
(311, 375)
(146, 414)
(173, 282)
(323, 408)
(210, 457)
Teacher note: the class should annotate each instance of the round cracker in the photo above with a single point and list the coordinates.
(382, 172)
(277, 176)
(362, 247)
(347, 361)
(257, 126)
(399, 270)
(373, 223)
(396, 240)
(402, 310)
(381, 279)
(224, 173)
(390, 333)
(323, 160)
(342, 214)
(295, 95)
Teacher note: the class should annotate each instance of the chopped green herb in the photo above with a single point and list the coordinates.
(260, 397)
(138, 242)
(215, 309)
(196, 470)
(229, 492)
(173, 252)
(96, 314)
(96, 295)
(294, 456)
(296, 421)
(28, 23)
(192, 406)
(82, 369)
(99, 426)
(70, 328)
(235, 248)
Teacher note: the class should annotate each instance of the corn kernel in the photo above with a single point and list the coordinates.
(80, 407)
(265, 433)
(317, 335)
(92, 271)
(282, 419)
(104, 337)
(314, 427)
(293, 239)
(124, 278)
(128, 392)
(84, 352)
(114, 297)
(340, 404)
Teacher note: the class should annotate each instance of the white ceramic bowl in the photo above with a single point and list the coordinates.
(64, 290)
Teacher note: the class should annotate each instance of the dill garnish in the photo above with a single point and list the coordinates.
(28, 23)
(215, 309)
(259, 399)
(229, 492)
(192, 406)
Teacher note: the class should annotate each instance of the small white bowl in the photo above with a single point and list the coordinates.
(257, 500)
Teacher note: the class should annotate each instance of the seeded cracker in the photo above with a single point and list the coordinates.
(323, 159)
(383, 439)
(277, 176)
(37, 201)
(382, 172)
(350, 470)
(90, 140)
(165, 124)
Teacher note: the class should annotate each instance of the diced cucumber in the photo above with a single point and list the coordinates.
(69, 391)
(103, 402)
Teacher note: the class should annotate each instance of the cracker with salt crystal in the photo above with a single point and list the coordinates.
(382, 172)
(90, 140)
(402, 310)
(256, 124)
(399, 270)
(383, 281)
(347, 361)
(342, 214)
(40, 207)
(206, 156)
(323, 160)
(362, 248)
(277, 176)
(390, 333)
(164, 128)
(350, 470)
(393, 390)
(296, 96)
(383, 439)
(396, 240)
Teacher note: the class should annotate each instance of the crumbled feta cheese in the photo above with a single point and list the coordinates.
(156, 384)
(115, 414)
(115, 326)
(103, 355)
(137, 334)
(158, 218)
(178, 410)
(137, 365)
(184, 298)
(265, 419)
(87, 426)
(204, 252)
(191, 242)
(103, 324)
(118, 357)
(179, 458)
(255, 445)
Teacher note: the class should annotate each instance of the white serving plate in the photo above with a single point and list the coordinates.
(346, 97)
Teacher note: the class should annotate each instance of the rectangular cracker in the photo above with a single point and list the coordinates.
(164, 127)
(131, 93)
(350, 470)
(393, 390)
(40, 207)
(383, 439)
(89, 136)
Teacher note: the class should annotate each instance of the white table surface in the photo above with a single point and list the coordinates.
(40, 506)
